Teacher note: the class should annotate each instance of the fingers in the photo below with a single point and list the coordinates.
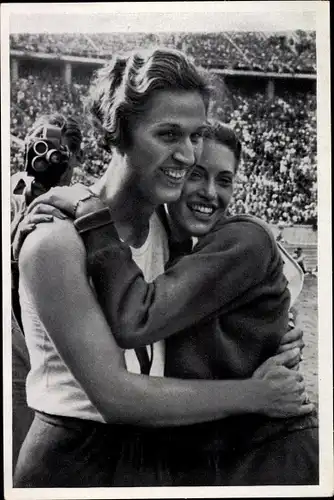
(40, 200)
(292, 336)
(28, 225)
(306, 409)
(301, 388)
(306, 398)
(40, 208)
(300, 344)
(293, 365)
(66, 199)
(45, 209)
(61, 198)
(286, 357)
(38, 218)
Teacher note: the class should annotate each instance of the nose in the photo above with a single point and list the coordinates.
(209, 190)
(185, 153)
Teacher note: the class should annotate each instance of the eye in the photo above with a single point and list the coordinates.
(169, 135)
(225, 181)
(195, 174)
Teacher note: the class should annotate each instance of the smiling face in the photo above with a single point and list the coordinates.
(207, 191)
(165, 142)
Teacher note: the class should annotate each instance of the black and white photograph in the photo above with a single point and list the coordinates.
(166, 209)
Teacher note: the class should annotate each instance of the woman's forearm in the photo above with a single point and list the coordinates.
(156, 402)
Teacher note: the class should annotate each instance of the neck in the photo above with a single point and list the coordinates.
(131, 211)
(178, 234)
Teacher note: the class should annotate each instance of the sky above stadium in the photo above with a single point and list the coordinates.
(161, 16)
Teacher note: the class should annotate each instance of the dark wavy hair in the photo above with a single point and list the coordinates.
(121, 90)
(225, 135)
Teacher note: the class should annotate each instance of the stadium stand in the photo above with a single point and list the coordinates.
(245, 50)
(278, 176)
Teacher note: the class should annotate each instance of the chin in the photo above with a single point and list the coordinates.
(199, 229)
(167, 196)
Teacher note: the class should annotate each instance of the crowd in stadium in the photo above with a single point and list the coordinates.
(260, 51)
(277, 178)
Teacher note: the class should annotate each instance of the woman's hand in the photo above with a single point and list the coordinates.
(40, 213)
(292, 339)
(285, 396)
(75, 201)
(61, 202)
(286, 358)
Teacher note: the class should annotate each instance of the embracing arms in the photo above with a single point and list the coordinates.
(52, 263)
(223, 271)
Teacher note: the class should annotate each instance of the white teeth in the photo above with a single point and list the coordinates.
(175, 174)
(203, 209)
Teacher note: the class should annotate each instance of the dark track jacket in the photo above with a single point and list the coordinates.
(222, 309)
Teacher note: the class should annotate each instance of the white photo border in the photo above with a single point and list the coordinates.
(141, 14)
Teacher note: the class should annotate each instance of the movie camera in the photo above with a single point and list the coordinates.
(46, 159)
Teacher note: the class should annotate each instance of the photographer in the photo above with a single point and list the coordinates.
(52, 150)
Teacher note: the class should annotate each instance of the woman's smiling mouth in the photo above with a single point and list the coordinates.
(202, 210)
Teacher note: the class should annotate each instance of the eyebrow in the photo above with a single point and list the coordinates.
(174, 125)
(223, 172)
(226, 172)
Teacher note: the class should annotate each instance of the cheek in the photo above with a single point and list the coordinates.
(225, 195)
(190, 188)
(152, 154)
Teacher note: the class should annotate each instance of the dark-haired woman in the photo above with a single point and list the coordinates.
(151, 108)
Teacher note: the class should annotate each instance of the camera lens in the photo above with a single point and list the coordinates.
(39, 164)
(40, 148)
(53, 156)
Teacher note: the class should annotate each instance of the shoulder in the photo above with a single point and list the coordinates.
(244, 227)
(246, 235)
(52, 245)
(251, 224)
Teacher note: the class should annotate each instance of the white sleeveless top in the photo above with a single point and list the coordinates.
(51, 387)
(151, 259)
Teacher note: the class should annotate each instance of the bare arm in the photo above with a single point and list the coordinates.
(52, 264)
